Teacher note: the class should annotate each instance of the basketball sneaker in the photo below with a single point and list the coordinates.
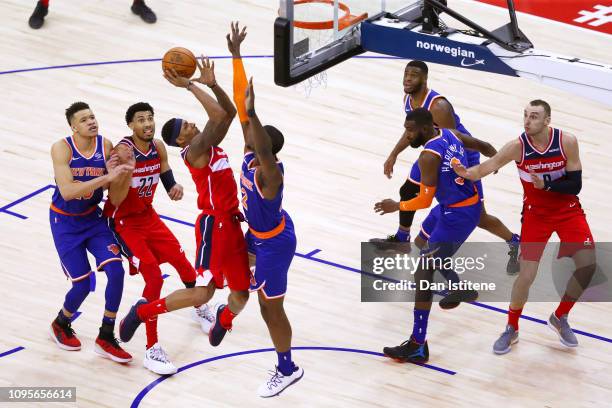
(217, 332)
(204, 316)
(408, 351)
(156, 360)
(455, 297)
(391, 242)
(37, 19)
(278, 382)
(130, 322)
(563, 330)
(108, 347)
(505, 341)
(513, 266)
(146, 14)
(64, 336)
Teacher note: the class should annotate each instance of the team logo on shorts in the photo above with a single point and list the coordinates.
(113, 248)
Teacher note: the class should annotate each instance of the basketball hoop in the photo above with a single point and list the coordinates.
(343, 22)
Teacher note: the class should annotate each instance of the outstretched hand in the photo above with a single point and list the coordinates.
(386, 206)
(175, 79)
(235, 38)
(207, 72)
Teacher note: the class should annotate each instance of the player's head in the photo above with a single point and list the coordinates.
(418, 127)
(82, 120)
(278, 140)
(536, 117)
(415, 76)
(179, 132)
(139, 117)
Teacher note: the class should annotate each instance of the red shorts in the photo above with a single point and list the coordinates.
(568, 221)
(145, 239)
(221, 252)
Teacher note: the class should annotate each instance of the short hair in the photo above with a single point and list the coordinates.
(544, 104)
(137, 107)
(420, 116)
(74, 108)
(418, 64)
(278, 140)
(167, 130)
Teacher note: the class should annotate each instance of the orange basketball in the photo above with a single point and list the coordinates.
(181, 59)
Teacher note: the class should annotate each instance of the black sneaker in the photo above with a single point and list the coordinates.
(513, 266)
(409, 351)
(37, 19)
(391, 242)
(130, 322)
(217, 332)
(455, 297)
(141, 9)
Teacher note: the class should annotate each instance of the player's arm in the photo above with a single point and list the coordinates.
(572, 182)
(442, 113)
(428, 164)
(174, 190)
(269, 175)
(118, 188)
(234, 39)
(511, 151)
(401, 145)
(61, 155)
(472, 143)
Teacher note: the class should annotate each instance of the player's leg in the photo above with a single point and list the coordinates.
(37, 19)
(427, 227)
(141, 9)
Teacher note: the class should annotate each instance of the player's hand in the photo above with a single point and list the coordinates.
(460, 168)
(175, 79)
(388, 166)
(235, 38)
(119, 171)
(112, 161)
(176, 192)
(207, 72)
(386, 206)
(536, 180)
(249, 101)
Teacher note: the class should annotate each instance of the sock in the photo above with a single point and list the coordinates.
(62, 319)
(513, 317)
(109, 321)
(189, 284)
(44, 3)
(151, 329)
(107, 331)
(419, 329)
(285, 364)
(402, 235)
(226, 318)
(564, 308)
(515, 239)
(151, 309)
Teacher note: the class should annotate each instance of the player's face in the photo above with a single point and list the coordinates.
(187, 133)
(414, 80)
(414, 134)
(535, 120)
(143, 126)
(84, 123)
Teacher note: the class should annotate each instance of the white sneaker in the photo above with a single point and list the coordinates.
(278, 382)
(205, 316)
(156, 360)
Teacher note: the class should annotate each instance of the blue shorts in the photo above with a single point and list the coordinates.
(452, 229)
(75, 235)
(429, 223)
(273, 257)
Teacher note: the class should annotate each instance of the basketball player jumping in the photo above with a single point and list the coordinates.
(221, 248)
(551, 174)
(460, 209)
(271, 237)
(419, 95)
(82, 169)
(144, 238)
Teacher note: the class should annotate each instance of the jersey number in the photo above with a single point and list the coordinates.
(146, 187)
(244, 198)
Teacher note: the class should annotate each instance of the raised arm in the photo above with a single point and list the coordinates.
(207, 77)
(174, 190)
(472, 143)
(270, 175)
(234, 39)
(511, 151)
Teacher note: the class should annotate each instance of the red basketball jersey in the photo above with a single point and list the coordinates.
(549, 165)
(143, 185)
(215, 183)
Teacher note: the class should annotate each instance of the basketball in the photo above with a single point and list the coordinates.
(181, 59)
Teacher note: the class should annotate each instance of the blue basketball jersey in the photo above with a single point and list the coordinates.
(83, 169)
(451, 188)
(473, 156)
(261, 214)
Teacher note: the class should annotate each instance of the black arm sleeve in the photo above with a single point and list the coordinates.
(408, 191)
(570, 184)
(167, 179)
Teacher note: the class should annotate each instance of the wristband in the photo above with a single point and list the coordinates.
(251, 113)
(167, 179)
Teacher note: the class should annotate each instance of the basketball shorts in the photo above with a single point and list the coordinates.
(75, 235)
(145, 239)
(568, 221)
(221, 252)
(273, 258)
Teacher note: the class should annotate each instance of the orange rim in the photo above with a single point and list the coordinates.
(346, 20)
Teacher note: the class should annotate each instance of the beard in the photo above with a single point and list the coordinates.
(418, 141)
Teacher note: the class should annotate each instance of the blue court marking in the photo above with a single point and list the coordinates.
(165, 275)
(138, 399)
(189, 224)
(311, 253)
(22, 199)
(16, 349)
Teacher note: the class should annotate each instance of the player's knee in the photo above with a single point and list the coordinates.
(241, 297)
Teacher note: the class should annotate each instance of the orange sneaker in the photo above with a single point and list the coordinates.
(64, 337)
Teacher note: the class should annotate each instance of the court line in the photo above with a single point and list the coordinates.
(22, 199)
(138, 399)
(310, 257)
(16, 349)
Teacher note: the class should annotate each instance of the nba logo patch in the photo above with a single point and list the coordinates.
(113, 248)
